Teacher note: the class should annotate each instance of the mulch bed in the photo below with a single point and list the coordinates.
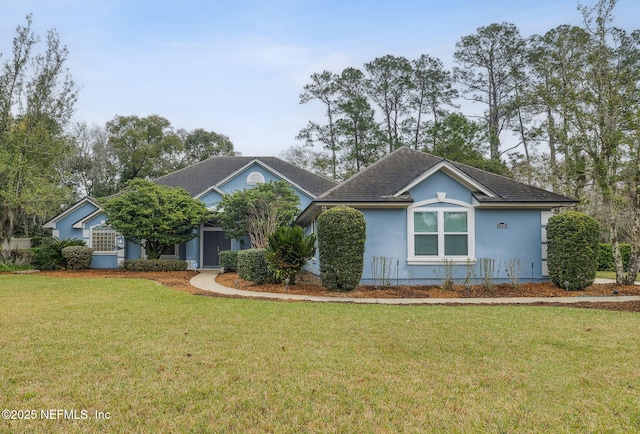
(309, 285)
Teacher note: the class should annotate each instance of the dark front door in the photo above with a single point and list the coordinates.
(213, 242)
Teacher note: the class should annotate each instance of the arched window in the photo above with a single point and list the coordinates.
(440, 230)
(255, 178)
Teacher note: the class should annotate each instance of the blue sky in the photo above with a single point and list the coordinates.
(237, 67)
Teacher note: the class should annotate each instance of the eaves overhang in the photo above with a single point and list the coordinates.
(317, 207)
(51, 224)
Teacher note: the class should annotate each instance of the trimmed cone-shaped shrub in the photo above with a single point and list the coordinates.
(572, 249)
(341, 237)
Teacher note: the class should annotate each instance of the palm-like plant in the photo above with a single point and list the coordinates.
(288, 250)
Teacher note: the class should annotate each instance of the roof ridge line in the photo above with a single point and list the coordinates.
(359, 173)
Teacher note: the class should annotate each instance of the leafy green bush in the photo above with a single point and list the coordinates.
(605, 257)
(15, 260)
(48, 256)
(154, 265)
(252, 266)
(572, 249)
(288, 250)
(78, 257)
(229, 260)
(18, 257)
(341, 237)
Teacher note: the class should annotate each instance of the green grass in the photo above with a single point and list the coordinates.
(159, 360)
(611, 275)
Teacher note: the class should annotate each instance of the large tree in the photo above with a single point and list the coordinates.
(389, 85)
(93, 165)
(431, 93)
(323, 88)
(359, 134)
(257, 212)
(607, 102)
(154, 216)
(144, 147)
(37, 96)
(557, 61)
(200, 144)
(490, 62)
(456, 138)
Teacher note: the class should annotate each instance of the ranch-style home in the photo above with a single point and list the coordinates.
(427, 218)
(206, 181)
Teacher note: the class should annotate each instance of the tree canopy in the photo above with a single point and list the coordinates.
(37, 98)
(559, 111)
(257, 212)
(154, 216)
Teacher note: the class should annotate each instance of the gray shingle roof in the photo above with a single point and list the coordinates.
(386, 179)
(206, 174)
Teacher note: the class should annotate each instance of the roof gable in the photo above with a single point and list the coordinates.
(87, 201)
(390, 179)
(453, 172)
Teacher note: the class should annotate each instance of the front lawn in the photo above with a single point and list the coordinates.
(611, 275)
(158, 360)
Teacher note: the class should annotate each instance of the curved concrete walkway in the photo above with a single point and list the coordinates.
(206, 281)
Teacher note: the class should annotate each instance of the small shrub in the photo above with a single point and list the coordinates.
(514, 270)
(341, 238)
(288, 250)
(154, 265)
(252, 266)
(448, 269)
(229, 260)
(382, 269)
(572, 249)
(15, 260)
(488, 273)
(48, 256)
(19, 257)
(78, 257)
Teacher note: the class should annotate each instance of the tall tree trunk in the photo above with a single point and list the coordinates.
(551, 133)
(634, 259)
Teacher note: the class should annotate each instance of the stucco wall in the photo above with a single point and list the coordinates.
(513, 239)
(510, 239)
(63, 228)
(239, 182)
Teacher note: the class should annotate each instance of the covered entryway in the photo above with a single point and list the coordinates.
(212, 242)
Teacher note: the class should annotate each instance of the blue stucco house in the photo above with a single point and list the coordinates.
(426, 217)
(429, 218)
(206, 181)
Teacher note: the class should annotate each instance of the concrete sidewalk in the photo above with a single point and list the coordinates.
(205, 280)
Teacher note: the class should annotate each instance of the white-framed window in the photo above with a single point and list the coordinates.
(438, 233)
(103, 239)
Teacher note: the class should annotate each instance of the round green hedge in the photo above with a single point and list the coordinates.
(341, 237)
(572, 249)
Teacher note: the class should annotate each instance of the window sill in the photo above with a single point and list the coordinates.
(441, 261)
